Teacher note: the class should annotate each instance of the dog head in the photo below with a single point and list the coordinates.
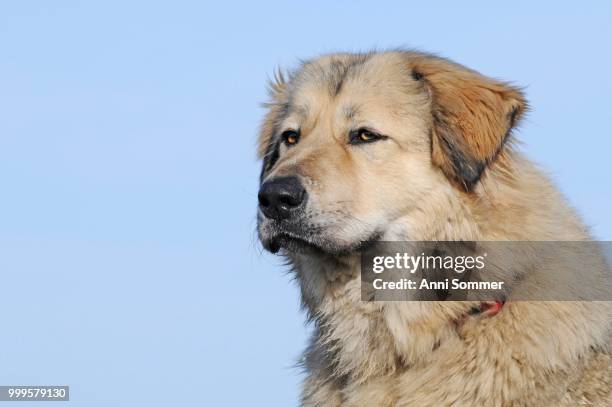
(353, 144)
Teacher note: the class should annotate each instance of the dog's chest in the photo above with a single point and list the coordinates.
(354, 334)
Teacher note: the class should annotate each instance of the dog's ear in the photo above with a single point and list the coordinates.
(277, 88)
(472, 117)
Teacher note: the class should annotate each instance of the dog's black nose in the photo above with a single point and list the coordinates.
(279, 197)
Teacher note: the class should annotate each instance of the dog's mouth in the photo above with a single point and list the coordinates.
(314, 245)
(293, 243)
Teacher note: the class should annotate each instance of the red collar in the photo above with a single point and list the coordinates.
(488, 308)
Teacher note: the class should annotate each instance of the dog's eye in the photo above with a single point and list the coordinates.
(290, 137)
(362, 136)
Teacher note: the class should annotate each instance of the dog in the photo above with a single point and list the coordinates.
(408, 146)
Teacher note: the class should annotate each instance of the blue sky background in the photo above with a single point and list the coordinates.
(128, 261)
